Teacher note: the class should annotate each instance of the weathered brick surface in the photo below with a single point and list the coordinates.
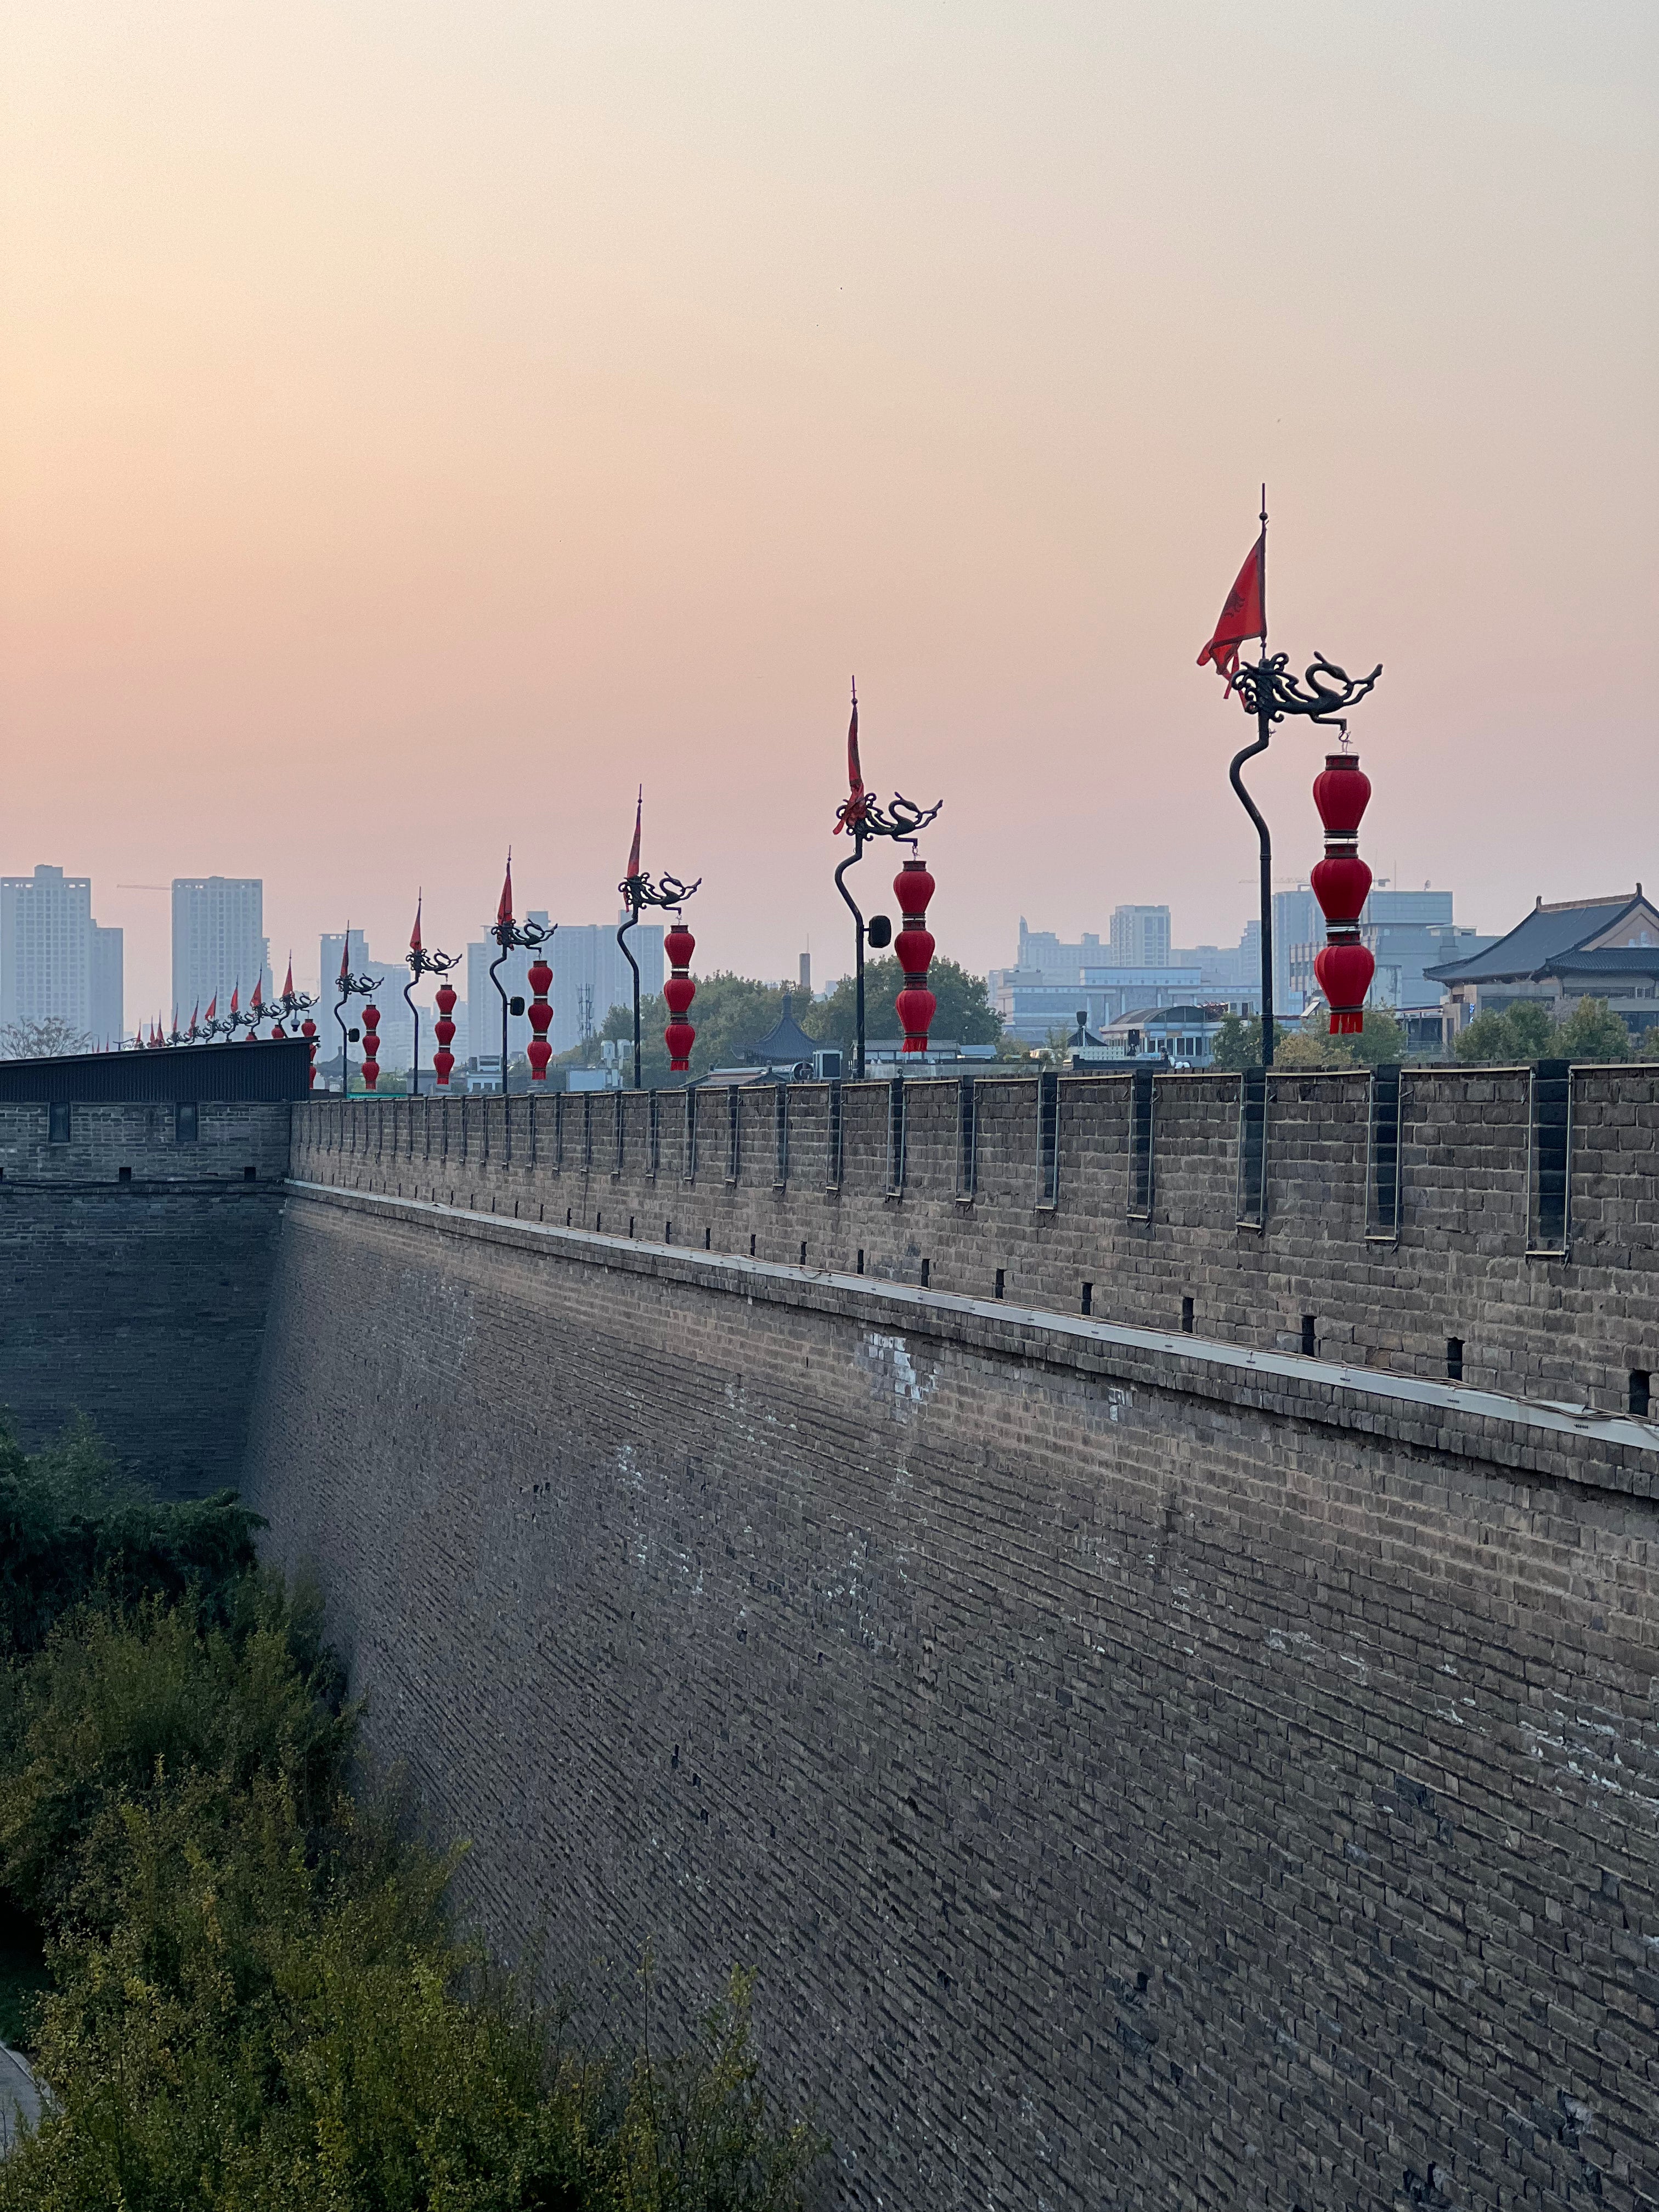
(139, 1301)
(1539, 1325)
(1144, 1774)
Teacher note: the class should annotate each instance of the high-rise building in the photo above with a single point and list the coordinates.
(1140, 936)
(219, 943)
(54, 958)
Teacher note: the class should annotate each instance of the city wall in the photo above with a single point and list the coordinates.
(1148, 1765)
(1128, 1211)
(138, 1251)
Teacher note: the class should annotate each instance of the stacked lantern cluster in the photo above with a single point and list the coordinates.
(444, 1029)
(541, 1016)
(913, 887)
(309, 1031)
(1341, 883)
(371, 1047)
(679, 991)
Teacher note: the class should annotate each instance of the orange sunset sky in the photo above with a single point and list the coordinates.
(421, 422)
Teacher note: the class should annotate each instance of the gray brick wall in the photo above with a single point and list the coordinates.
(1146, 1772)
(134, 1279)
(1542, 1325)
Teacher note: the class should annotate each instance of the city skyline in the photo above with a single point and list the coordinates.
(467, 420)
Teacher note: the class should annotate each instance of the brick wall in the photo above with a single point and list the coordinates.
(135, 1275)
(1146, 1770)
(1571, 1325)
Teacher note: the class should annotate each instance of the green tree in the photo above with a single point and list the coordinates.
(1593, 1031)
(730, 1013)
(1238, 1041)
(964, 1013)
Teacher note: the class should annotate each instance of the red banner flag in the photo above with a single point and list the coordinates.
(852, 814)
(213, 1007)
(414, 945)
(258, 1001)
(504, 911)
(287, 987)
(345, 961)
(235, 988)
(1244, 616)
(634, 850)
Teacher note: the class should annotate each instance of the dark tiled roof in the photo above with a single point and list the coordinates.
(1542, 937)
(1620, 960)
(789, 1040)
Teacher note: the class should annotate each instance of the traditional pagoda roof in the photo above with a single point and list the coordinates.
(1551, 937)
(787, 1041)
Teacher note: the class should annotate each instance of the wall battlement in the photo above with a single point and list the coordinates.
(1510, 1213)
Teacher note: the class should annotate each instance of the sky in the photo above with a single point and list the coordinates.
(420, 423)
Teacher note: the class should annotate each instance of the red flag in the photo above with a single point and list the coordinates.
(235, 988)
(634, 850)
(195, 1016)
(287, 987)
(504, 911)
(259, 998)
(345, 961)
(1244, 614)
(414, 945)
(852, 813)
(213, 1007)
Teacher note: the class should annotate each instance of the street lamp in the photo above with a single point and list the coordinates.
(511, 935)
(637, 888)
(1324, 694)
(349, 987)
(862, 815)
(422, 962)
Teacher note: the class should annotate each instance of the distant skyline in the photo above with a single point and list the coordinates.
(419, 423)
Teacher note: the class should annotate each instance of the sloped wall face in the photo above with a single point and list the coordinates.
(137, 1263)
(1139, 1779)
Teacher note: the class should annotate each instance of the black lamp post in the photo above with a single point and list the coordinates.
(510, 936)
(350, 986)
(862, 815)
(423, 962)
(1323, 694)
(637, 888)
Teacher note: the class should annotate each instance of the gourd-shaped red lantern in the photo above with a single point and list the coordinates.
(1341, 883)
(679, 991)
(371, 1047)
(541, 1016)
(444, 1029)
(913, 887)
(309, 1031)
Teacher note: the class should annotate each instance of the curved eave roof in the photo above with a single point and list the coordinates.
(1544, 936)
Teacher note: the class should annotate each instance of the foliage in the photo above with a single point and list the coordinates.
(1525, 1031)
(69, 1529)
(965, 1013)
(50, 1037)
(732, 1012)
(260, 2002)
(1383, 1039)
(1238, 1042)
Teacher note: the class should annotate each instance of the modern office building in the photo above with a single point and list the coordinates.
(55, 960)
(1140, 936)
(218, 941)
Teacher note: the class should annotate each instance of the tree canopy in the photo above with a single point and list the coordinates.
(1525, 1031)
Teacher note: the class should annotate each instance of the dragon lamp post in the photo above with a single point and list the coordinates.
(349, 987)
(637, 888)
(1323, 694)
(510, 936)
(862, 815)
(423, 962)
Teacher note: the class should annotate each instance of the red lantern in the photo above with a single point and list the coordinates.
(371, 1047)
(1341, 883)
(309, 1031)
(444, 1029)
(541, 1016)
(913, 887)
(679, 992)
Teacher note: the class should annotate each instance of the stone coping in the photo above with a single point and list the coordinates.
(1553, 1441)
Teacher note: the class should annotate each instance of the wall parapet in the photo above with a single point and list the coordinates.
(1379, 1221)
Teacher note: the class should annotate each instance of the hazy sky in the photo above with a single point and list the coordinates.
(420, 421)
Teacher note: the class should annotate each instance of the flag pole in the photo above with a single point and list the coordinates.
(1264, 731)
